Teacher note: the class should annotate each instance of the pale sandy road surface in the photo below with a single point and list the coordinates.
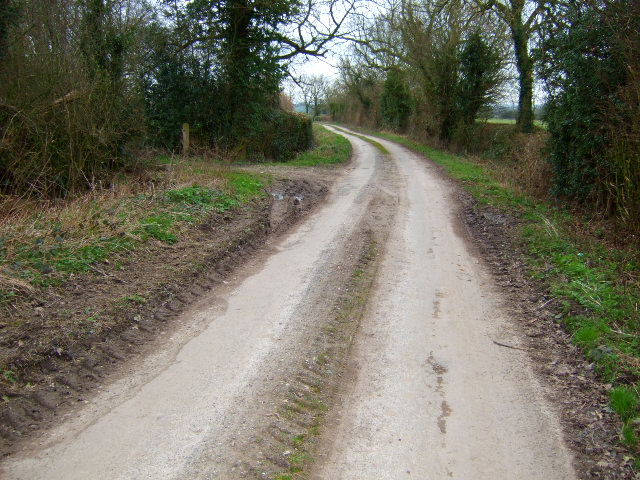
(433, 395)
(429, 395)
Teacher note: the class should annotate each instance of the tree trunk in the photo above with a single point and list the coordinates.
(5, 22)
(237, 52)
(524, 63)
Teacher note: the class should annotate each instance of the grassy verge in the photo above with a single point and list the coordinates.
(510, 121)
(598, 286)
(330, 149)
(42, 245)
(378, 145)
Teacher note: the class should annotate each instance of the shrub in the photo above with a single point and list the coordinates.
(395, 101)
(590, 66)
(480, 77)
(279, 136)
(67, 114)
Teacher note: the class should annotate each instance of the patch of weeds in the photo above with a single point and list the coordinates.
(10, 376)
(194, 195)
(226, 202)
(245, 186)
(298, 441)
(6, 296)
(196, 200)
(323, 359)
(134, 299)
(297, 460)
(358, 273)
(158, 227)
(164, 160)
(92, 319)
(588, 336)
(624, 401)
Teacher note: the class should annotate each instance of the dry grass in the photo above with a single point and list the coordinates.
(42, 242)
(523, 166)
(106, 211)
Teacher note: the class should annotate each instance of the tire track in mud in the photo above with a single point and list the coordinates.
(287, 442)
(242, 387)
(60, 378)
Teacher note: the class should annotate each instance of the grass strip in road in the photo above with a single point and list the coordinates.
(330, 149)
(510, 121)
(309, 411)
(378, 145)
(598, 286)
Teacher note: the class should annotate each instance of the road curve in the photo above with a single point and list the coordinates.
(209, 386)
(433, 395)
(428, 394)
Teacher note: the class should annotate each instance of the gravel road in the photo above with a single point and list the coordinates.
(435, 387)
(433, 395)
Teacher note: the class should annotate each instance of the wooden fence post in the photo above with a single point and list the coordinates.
(185, 139)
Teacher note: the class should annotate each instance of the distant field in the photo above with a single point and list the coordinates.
(511, 121)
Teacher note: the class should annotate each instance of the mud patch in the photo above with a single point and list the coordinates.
(445, 411)
(62, 345)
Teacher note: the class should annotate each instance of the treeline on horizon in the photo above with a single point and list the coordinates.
(431, 68)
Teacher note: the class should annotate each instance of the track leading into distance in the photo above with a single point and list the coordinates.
(427, 393)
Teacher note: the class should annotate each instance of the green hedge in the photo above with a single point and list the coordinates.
(280, 136)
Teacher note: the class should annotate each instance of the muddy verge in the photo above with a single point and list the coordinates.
(591, 428)
(60, 345)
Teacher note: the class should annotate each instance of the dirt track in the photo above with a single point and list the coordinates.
(437, 392)
(435, 385)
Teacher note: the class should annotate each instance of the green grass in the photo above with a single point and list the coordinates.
(330, 149)
(598, 287)
(378, 145)
(44, 251)
(511, 121)
(134, 299)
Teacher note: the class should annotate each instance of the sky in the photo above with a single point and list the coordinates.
(328, 67)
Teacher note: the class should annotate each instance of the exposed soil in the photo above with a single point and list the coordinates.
(63, 343)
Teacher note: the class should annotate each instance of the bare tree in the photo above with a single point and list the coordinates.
(318, 91)
(314, 91)
(314, 27)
